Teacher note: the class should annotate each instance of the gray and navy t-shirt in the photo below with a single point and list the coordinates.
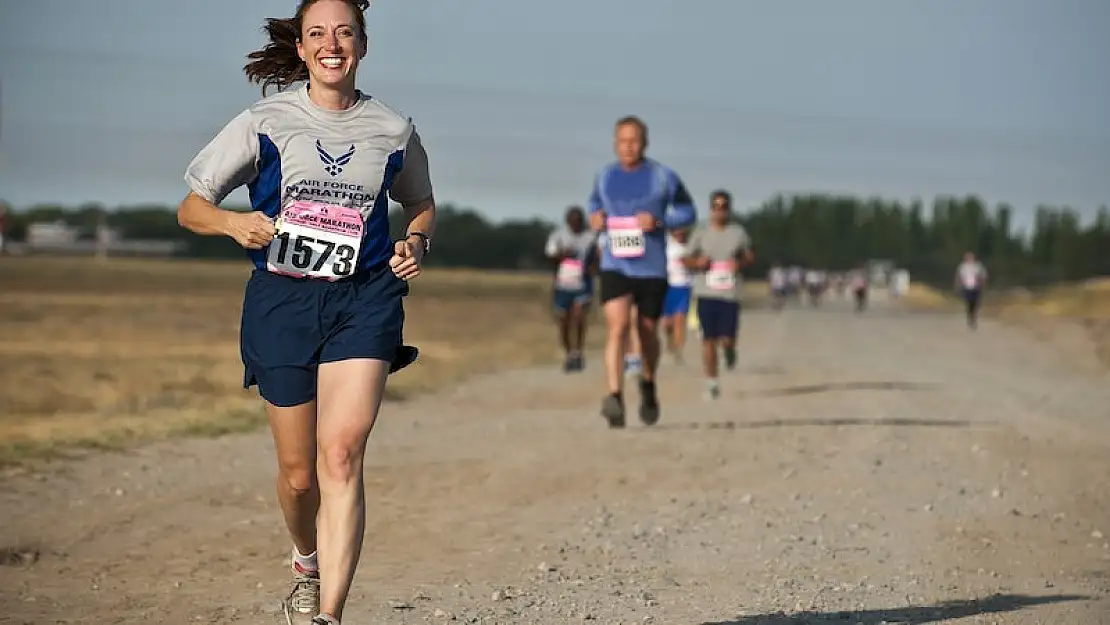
(721, 246)
(289, 151)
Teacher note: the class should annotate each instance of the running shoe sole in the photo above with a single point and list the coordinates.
(613, 411)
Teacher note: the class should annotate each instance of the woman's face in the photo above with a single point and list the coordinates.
(331, 43)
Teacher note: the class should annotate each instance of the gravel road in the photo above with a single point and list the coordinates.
(886, 467)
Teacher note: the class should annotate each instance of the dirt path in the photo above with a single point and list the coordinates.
(891, 467)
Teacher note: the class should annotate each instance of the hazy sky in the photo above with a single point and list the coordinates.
(107, 101)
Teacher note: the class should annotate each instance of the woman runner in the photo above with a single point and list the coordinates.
(322, 312)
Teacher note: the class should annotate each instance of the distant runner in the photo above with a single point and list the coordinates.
(573, 251)
(857, 282)
(815, 286)
(629, 203)
(717, 253)
(776, 279)
(971, 277)
(679, 288)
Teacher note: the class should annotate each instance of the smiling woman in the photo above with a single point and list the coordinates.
(322, 314)
(288, 58)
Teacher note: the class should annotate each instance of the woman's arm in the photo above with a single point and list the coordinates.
(228, 161)
(198, 215)
(412, 189)
(422, 219)
(252, 230)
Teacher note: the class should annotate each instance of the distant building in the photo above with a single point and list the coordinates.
(879, 270)
(51, 235)
(60, 238)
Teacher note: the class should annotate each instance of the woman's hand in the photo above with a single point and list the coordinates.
(406, 259)
(253, 230)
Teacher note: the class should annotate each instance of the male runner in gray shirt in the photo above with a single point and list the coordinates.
(717, 253)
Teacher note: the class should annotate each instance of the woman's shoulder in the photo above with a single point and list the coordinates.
(381, 107)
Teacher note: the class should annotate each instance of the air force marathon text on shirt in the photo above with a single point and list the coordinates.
(651, 188)
(328, 175)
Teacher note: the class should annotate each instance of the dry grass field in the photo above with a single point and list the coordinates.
(1047, 313)
(103, 354)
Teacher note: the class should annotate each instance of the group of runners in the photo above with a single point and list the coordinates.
(640, 238)
(323, 317)
(791, 283)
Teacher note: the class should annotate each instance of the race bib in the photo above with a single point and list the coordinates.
(316, 240)
(626, 238)
(970, 280)
(720, 277)
(571, 275)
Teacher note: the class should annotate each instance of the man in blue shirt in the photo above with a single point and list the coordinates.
(629, 205)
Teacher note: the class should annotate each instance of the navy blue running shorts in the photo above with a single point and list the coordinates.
(291, 325)
(719, 319)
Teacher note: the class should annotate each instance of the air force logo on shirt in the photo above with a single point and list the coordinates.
(334, 165)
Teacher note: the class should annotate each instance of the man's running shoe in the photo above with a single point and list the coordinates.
(712, 390)
(612, 408)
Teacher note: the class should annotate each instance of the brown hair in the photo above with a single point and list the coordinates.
(277, 63)
(721, 194)
(632, 120)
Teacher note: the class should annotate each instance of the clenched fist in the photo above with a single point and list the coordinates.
(405, 262)
(253, 230)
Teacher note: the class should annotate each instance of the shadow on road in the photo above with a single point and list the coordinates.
(776, 423)
(910, 615)
(810, 389)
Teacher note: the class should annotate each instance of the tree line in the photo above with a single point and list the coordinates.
(814, 230)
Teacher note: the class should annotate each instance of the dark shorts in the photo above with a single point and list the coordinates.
(647, 293)
(564, 300)
(719, 319)
(971, 298)
(291, 325)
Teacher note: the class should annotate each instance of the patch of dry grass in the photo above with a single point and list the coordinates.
(1086, 303)
(923, 297)
(104, 354)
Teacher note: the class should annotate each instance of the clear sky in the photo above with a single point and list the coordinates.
(107, 101)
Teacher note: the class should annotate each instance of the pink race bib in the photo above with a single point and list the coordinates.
(571, 275)
(316, 240)
(720, 277)
(626, 237)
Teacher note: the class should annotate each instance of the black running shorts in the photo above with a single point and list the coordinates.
(647, 294)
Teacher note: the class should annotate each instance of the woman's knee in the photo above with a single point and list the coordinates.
(341, 460)
(298, 474)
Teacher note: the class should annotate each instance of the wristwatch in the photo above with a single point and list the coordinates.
(425, 239)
